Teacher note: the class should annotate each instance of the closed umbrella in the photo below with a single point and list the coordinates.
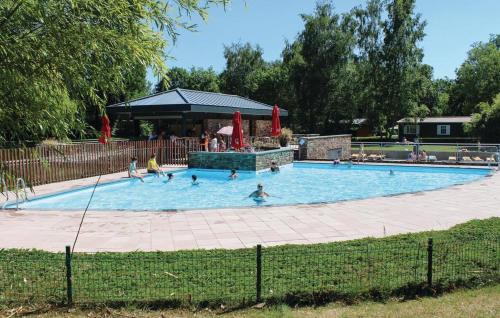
(276, 125)
(105, 130)
(237, 135)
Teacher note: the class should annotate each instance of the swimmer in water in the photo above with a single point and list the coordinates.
(391, 172)
(233, 174)
(170, 177)
(274, 167)
(259, 194)
(194, 179)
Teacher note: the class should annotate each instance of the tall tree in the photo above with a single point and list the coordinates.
(390, 59)
(478, 78)
(401, 59)
(55, 55)
(319, 67)
(241, 61)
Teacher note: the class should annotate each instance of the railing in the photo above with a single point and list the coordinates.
(471, 153)
(60, 162)
(301, 274)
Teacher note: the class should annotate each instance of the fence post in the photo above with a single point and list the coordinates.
(258, 278)
(69, 282)
(429, 262)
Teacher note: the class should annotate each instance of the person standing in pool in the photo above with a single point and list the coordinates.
(170, 177)
(259, 193)
(274, 167)
(132, 170)
(233, 174)
(194, 180)
(153, 166)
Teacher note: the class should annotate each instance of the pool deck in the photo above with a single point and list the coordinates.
(246, 227)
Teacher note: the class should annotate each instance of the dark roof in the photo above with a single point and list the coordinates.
(438, 120)
(198, 101)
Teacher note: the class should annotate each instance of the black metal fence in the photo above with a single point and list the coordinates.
(291, 274)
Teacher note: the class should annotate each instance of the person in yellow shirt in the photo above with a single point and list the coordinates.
(153, 166)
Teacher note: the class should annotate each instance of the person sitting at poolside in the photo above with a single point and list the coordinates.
(259, 193)
(336, 162)
(194, 180)
(412, 157)
(153, 166)
(274, 167)
(422, 156)
(233, 174)
(132, 170)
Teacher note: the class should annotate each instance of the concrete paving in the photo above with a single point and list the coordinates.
(246, 227)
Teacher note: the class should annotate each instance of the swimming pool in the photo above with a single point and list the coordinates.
(300, 183)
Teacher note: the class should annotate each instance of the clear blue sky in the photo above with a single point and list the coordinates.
(452, 26)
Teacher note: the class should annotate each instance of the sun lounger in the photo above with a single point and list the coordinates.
(358, 156)
(374, 157)
(490, 159)
(452, 158)
(477, 159)
(465, 158)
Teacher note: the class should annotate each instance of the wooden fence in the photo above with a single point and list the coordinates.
(52, 163)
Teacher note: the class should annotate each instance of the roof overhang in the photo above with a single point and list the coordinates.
(114, 109)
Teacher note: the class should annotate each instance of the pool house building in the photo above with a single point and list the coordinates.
(184, 112)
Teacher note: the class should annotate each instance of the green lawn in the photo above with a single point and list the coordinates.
(484, 303)
(467, 254)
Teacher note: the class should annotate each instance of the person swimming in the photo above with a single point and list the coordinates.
(259, 194)
(233, 174)
(274, 167)
(391, 172)
(194, 180)
(170, 177)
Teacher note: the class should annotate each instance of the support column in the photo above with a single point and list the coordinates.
(183, 125)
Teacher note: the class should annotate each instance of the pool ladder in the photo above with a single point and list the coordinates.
(5, 191)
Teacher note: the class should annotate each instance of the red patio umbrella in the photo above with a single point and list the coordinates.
(276, 125)
(105, 130)
(237, 136)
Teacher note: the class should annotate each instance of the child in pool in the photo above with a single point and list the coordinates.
(170, 177)
(233, 174)
(194, 180)
(274, 167)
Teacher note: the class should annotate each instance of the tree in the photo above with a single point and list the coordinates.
(241, 61)
(478, 78)
(196, 78)
(401, 59)
(486, 123)
(320, 71)
(57, 55)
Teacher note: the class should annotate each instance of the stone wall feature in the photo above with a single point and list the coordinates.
(240, 160)
(317, 148)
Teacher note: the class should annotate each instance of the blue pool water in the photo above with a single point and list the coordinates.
(297, 184)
